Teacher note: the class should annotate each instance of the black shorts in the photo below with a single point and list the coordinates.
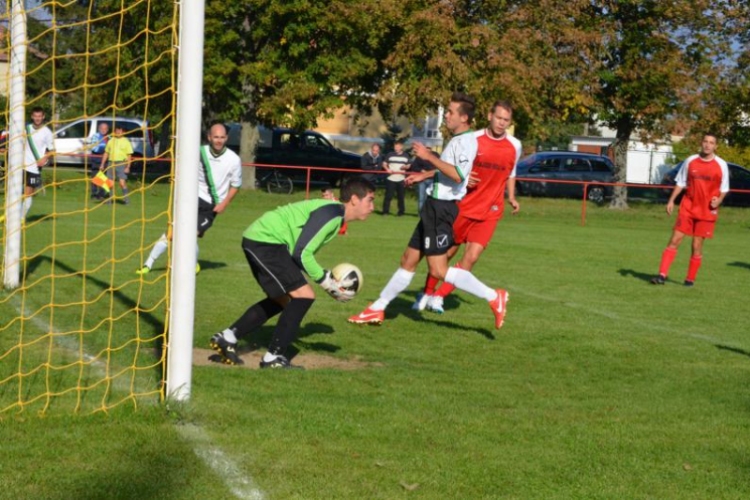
(434, 233)
(32, 180)
(206, 216)
(273, 267)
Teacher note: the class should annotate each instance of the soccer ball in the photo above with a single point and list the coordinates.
(351, 272)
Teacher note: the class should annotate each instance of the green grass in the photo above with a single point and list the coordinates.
(599, 385)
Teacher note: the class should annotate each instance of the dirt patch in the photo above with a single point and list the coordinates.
(310, 361)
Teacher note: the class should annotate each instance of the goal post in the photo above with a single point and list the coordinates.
(189, 100)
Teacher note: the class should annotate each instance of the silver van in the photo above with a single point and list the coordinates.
(74, 140)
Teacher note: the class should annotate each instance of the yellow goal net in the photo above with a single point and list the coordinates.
(81, 331)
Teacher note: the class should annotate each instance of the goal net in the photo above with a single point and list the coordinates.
(81, 331)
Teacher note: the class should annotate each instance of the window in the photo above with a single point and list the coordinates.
(546, 165)
(576, 165)
(78, 130)
(600, 166)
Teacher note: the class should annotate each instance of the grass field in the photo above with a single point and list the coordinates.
(599, 385)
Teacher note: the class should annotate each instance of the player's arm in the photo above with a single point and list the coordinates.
(680, 184)
(512, 195)
(128, 159)
(322, 226)
(670, 203)
(103, 164)
(418, 177)
(225, 203)
(445, 168)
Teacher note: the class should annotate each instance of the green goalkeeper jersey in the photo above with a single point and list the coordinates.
(304, 227)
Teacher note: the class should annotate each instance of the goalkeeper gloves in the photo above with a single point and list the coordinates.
(337, 289)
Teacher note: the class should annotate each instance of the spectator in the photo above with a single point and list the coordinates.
(372, 161)
(119, 153)
(395, 163)
(99, 141)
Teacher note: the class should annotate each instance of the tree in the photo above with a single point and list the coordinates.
(659, 59)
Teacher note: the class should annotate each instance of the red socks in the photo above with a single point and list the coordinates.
(667, 257)
(695, 264)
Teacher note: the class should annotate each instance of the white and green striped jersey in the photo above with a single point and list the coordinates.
(38, 142)
(460, 152)
(217, 174)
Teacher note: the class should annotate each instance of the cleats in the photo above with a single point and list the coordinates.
(368, 317)
(421, 303)
(499, 307)
(689, 283)
(226, 349)
(658, 280)
(279, 362)
(435, 304)
(143, 270)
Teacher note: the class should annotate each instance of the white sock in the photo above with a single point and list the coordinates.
(26, 205)
(229, 336)
(464, 280)
(398, 283)
(268, 357)
(159, 248)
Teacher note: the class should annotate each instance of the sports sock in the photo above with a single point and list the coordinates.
(160, 247)
(288, 325)
(446, 288)
(464, 280)
(255, 316)
(430, 284)
(229, 336)
(397, 284)
(693, 266)
(667, 256)
(26, 205)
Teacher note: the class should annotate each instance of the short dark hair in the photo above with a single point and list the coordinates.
(466, 104)
(710, 133)
(37, 109)
(359, 186)
(501, 103)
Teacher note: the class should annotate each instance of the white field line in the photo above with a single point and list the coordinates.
(239, 484)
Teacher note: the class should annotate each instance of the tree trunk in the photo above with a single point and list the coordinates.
(620, 147)
(248, 143)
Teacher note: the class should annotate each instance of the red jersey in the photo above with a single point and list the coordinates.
(704, 179)
(494, 164)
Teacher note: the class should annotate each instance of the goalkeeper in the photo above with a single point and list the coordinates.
(280, 246)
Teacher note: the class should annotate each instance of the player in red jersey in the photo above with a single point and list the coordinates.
(706, 178)
(482, 207)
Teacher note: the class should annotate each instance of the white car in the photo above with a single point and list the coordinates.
(74, 140)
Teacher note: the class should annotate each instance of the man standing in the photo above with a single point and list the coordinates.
(433, 236)
(119, 153)
(706, 177)
(395, 163)
(99, 140)
(219, 181)
(279, 247)
(482, 208)
(39, 142)
(371, 161)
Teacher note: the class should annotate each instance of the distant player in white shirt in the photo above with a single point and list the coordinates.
(219, 180)
(433, 236)
(39, 143)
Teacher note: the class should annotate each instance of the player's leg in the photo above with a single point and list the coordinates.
(472, 252)
(669, 254)
(389, 189)
(287, 328)
(401, 197)
(122, 178)
(32, 181)
(703, 230)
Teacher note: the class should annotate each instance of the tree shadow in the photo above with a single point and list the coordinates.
(743, 265)
(635, 274)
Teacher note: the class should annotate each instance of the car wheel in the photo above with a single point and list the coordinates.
(595, 194)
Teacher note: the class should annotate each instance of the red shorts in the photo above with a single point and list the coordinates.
(473, 231)
(694, 227)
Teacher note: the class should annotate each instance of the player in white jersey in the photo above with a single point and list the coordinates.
(433, 236)
(39, 143)
(219, 180)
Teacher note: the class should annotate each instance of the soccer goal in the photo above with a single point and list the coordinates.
(80, 331)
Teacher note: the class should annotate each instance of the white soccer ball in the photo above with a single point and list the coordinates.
(350, 272)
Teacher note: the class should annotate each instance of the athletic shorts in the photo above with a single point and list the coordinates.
(32, 180)
(273, 267)
(118, 171)
(434, 233)
(694, 227)
(467, 230)
(206, 216)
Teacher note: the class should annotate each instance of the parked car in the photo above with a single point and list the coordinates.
(74, 139)
(739, 178)
(565, 166)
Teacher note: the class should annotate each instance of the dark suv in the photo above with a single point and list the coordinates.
(565, 166)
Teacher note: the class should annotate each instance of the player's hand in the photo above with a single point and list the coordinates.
(473, 180)
(337, 289)
(670, 207)
(516, 206)
(715, 202)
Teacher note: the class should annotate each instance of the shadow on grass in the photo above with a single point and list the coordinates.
(402, 306)
(207, 264)
(743, 265)
(736, 350)
(260, 338)
(635, 274)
